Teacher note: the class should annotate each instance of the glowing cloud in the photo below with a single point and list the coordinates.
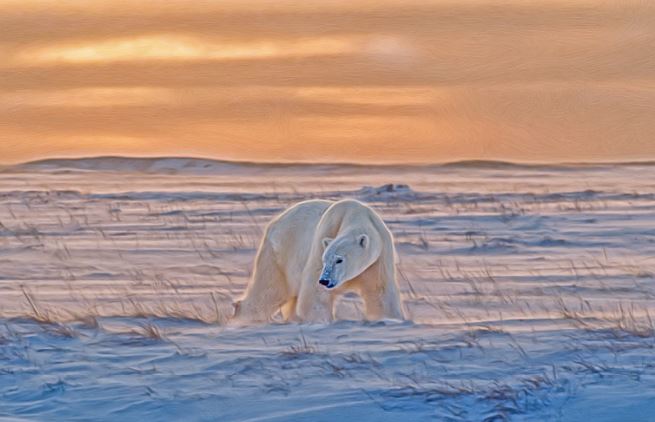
(178, 47)
(87, 97)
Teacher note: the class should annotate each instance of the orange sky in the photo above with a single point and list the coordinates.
(335, 80)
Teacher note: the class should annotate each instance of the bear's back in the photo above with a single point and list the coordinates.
(291, 234)
(348, 213)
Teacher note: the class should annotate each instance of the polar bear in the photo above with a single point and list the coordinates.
(315, 251)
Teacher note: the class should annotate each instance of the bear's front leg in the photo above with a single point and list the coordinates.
(381, 298)
(315, 304)
(392, 305)
(381, 305)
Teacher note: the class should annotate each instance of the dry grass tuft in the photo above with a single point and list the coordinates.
(150, 331)
(303, 347)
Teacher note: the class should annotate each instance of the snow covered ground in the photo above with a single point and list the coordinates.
(530, 288)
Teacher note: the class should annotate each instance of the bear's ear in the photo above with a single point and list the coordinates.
(362, 239)
(326, 241)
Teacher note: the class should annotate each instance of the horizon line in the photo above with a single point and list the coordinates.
(333, 163)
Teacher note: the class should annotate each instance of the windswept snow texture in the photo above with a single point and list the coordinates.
(530, 291)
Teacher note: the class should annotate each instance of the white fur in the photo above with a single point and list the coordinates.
(304, 243)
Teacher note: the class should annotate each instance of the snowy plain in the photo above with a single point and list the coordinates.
(530, 290)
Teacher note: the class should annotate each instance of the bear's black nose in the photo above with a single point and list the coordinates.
(323, 282)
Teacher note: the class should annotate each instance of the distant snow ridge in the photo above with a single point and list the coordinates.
(190, 165)
(174, 165)
(137, 165)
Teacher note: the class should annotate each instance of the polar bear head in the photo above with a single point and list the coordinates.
(347, 256)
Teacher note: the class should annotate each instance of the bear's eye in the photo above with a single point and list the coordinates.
(338, 261)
